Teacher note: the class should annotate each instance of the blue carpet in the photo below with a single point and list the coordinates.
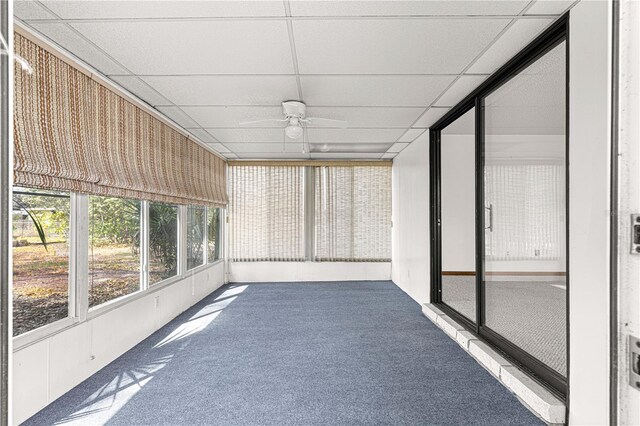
(294, 354)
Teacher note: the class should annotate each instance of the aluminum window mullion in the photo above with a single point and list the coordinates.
(79, 256)
(144, 245)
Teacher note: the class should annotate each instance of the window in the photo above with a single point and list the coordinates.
(163, 242)
(353, 213)
(114, 248)
(196, 233)
(213, 234)
(40, 258)
(267, 213)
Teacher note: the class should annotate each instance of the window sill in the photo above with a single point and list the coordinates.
(34, 336)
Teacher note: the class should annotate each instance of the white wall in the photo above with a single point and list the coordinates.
(246, 272)
(589, 147)
(45, 370)
(410, 267)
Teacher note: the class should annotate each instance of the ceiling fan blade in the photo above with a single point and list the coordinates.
(327, 122)
(267, 120)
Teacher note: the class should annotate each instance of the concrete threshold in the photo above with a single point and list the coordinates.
(534, 396)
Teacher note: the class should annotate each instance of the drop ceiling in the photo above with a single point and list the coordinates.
(389, 68)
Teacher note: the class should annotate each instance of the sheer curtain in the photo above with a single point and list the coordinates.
(353, 213)
(266, 213)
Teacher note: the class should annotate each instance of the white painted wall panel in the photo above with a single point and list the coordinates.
(589, 147)
(410, 267)
(246, 272)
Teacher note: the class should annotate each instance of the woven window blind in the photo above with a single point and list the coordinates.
(74, 134)
(353, 213)
(266, 213)
(528, 203)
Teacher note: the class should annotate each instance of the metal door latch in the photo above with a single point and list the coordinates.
(635, 234)
(634, 362)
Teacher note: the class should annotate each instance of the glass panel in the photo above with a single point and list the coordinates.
(458, 223)
(524, 179)
(163, 242)
(40, 258)
(213, 234)
(196, 228)
(114, 248)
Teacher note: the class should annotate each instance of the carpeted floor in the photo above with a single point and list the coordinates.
(530, 313)
(299, 354)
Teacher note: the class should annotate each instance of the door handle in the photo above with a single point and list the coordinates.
(490, 227)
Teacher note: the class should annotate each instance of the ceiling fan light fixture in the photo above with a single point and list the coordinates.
(293, 131)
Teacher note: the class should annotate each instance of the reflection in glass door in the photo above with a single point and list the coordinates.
(457, 212)
(524, 274)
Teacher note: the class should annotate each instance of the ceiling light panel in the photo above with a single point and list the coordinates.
(378, 117)
(249, 135)
(410, 135)
(353, 135)
(195, 47)
(461, 88)
(521, 33)
(432, 115)
(289, 146)
(414, 46)
(218, 116)
(139, 88)
(225, 90)
(163, 9)
(405, 8)
(366, 90)
(350, 147)
(69, 40)
(344, 156)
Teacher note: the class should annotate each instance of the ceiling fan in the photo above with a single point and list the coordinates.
(295, 115)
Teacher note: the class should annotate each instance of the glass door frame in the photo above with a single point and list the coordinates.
(552, 37)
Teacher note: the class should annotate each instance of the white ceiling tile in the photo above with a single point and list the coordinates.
(195, 47)
(69, 40)
(29, 9)
(353, 135)
(131, 9)
(415, 46)
(367, 90)
(248, 135)
(274, 156)
(350, 147)
(405, 8)
(219, 116)
(521, 33)
(225, 90)
(289, 146)
(178, 116)
(203, 135)
(432, 115)
(345, 156)
(388, 155)
(139, 88)
(231, 155)
(379, 117)
(460, 89)
(410, 135)
(219, 147)
(549, 7)
(397, 147)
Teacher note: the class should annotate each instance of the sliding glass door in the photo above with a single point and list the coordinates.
(499, 209)
(525, 204)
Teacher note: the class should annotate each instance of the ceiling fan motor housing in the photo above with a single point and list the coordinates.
(294, 109)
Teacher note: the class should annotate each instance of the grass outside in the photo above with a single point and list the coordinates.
(41, 280)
